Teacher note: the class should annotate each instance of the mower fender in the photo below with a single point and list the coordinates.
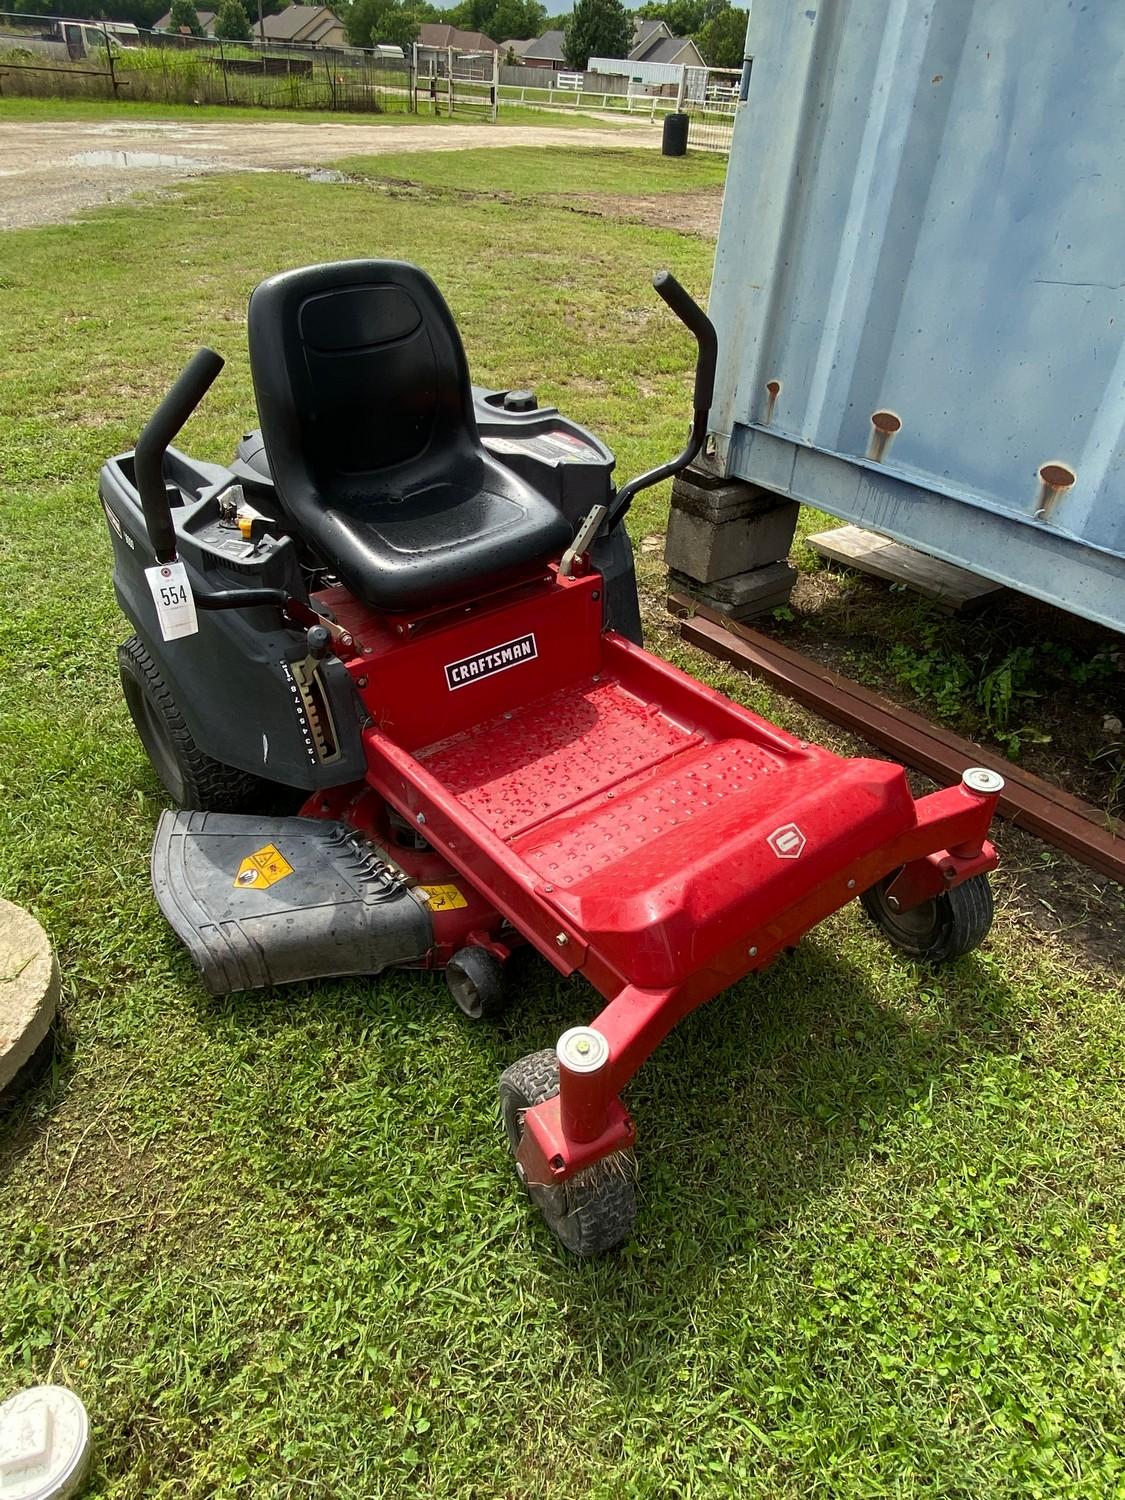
(612, 557)
(233, 681)
(246, 713)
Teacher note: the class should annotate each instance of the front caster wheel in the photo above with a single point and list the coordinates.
(595, 1209)
(953, 923)
(476, 981)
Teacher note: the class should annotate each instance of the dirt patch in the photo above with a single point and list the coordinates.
(687, 213)
(53, 169)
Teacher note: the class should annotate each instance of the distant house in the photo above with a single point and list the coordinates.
(546, 51)
(438, 38)
(306, 26)
(515, 48)
(653, 42)
(206, 22)
(644, 31)
(656, 60)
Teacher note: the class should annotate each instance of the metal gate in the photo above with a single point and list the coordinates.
(709, 96)
(448, 81)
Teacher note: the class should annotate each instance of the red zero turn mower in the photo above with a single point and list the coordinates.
(413, 600)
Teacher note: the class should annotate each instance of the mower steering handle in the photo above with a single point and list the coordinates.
(689, 312)
(192, 384)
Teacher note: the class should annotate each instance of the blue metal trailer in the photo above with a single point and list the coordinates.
(920, 281)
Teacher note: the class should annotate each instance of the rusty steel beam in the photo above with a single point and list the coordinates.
(1092, 837)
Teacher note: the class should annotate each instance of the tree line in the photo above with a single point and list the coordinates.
(594, 28)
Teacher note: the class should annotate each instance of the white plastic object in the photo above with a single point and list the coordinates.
(582, 1049)
(980, 779)
(44, 1444)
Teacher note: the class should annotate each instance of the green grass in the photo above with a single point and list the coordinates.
(527, 171)
(101, 109)
(273, 1240)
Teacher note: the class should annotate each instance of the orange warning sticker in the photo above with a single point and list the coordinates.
(443, 897)
(263, 868)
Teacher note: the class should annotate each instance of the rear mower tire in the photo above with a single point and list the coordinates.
(192, 779)
(951, 924)
(593, 1211)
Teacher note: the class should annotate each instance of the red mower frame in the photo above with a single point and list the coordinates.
(827, 829)
(531, 776)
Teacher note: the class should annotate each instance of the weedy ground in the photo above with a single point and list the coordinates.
(1044, 687)
(274, 1241)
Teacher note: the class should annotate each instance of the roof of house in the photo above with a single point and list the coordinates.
(295, 20)
(643, 30)
(206, 20)
(516, 46)
(548, 47)
(656, 49)
(433, 35)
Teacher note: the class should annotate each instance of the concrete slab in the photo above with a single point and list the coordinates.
(743, 596)
(29, 988)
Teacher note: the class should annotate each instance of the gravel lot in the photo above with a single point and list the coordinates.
(51, 170)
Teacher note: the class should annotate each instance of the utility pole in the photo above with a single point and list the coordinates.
(261, 25)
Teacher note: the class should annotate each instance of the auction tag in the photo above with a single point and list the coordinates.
(171, 593)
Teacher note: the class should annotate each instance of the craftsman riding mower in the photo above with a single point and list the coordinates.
(409, 605)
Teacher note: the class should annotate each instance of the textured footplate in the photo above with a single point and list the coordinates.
(259, 901)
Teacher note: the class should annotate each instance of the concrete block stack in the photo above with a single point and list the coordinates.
(728, 544)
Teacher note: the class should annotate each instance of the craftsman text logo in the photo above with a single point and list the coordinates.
(787, 841)
(485, 663)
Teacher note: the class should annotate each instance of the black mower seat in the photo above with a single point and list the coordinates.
(366, 410)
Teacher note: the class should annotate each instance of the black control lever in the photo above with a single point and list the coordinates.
(692, 315)
(192, 384)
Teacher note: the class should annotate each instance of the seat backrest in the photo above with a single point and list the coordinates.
(361, 381)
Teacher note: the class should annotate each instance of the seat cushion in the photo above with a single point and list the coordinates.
(434, 544)
(367, 416)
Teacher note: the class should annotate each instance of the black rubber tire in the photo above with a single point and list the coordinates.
(476, 981)
(192, 779)
(951, 924)
(594, 1211)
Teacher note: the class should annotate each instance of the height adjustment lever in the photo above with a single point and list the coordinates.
(583, 540)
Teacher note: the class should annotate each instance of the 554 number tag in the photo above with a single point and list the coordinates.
(171, 593)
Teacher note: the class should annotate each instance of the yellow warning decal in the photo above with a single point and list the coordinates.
(263, 868)
(442, 897)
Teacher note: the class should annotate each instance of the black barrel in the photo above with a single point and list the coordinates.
(675, 135)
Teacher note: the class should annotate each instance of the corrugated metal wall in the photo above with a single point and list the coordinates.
(920, 280)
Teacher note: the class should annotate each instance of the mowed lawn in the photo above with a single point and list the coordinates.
(274, 1241)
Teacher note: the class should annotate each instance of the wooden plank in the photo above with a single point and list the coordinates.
(954, 589)
(1029, 802)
